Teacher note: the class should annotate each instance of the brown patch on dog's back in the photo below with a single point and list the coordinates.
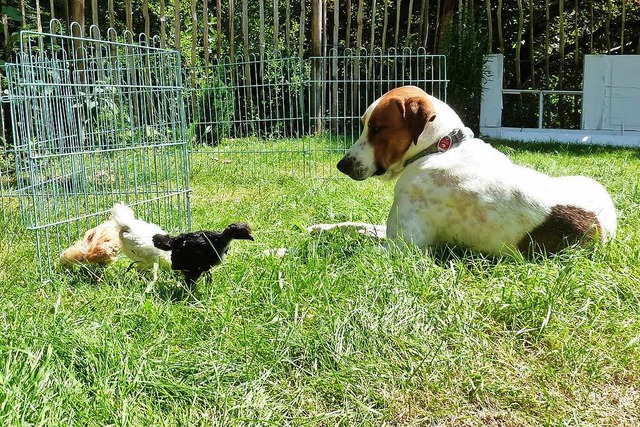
(564, 226)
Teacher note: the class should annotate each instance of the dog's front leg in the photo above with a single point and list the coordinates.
(404, 227)
(371, 230)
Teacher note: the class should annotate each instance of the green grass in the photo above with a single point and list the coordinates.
(337, 332)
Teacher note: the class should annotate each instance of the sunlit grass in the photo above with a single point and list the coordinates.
(338, 331)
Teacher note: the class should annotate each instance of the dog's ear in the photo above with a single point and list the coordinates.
(417, 112)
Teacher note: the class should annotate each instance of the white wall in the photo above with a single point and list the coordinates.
(610, 104)
(611, 98)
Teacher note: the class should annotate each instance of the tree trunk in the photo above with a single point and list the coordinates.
(111, 14)
(395, 43)
(38, 18)
(407, 39)
(561, 45)
(245, 47)
(347, 37)
(426, 25)
(576, 56)
(373, 26)
(499, 24)
(336, 23)
(316, 50)
(77, 15)
(232, 43)
(194, 45)
(128, 10)
(624, 20)
(436, 29)
(547, 15)
(145, 16)
(219, 28)
(447, 17)
(519, 44)
(590, 28)
(51, 9)
(385, 24)
(262, 41)
(276, 24)
(301, 36)
(24, 14)
(205, 38)
(287, 29)
(490, 25)
(607, 26)
(163, 24)
(176, 5)
(532, 60)
(359, 22)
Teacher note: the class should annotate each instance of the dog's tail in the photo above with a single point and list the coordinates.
(162, 241)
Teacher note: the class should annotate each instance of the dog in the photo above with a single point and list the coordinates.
(453, 188)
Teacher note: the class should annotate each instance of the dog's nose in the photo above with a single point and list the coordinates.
(345, 165)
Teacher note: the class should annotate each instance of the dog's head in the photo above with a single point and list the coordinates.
(397, 125)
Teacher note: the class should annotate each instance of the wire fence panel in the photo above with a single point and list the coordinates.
(96, 121)
(284, 114)
(344, 84)
(8, 188)
(248, 114)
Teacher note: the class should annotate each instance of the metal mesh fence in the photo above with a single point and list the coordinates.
(248, 114)
(261, 115)
(96, 121)
(343, 85)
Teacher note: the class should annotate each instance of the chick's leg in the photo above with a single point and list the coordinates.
(155, 277)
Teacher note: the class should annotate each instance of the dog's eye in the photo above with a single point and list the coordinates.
(375, 129)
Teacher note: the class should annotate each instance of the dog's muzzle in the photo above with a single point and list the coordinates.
(354, 168)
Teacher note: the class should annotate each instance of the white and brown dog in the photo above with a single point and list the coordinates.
(454, 188)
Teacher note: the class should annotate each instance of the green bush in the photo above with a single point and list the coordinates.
(465, 46)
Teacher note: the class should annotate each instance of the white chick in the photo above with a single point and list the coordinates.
(137, 240)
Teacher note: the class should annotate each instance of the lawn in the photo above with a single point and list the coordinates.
(337, 332)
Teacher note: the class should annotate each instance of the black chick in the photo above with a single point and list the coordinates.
(195, 253)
